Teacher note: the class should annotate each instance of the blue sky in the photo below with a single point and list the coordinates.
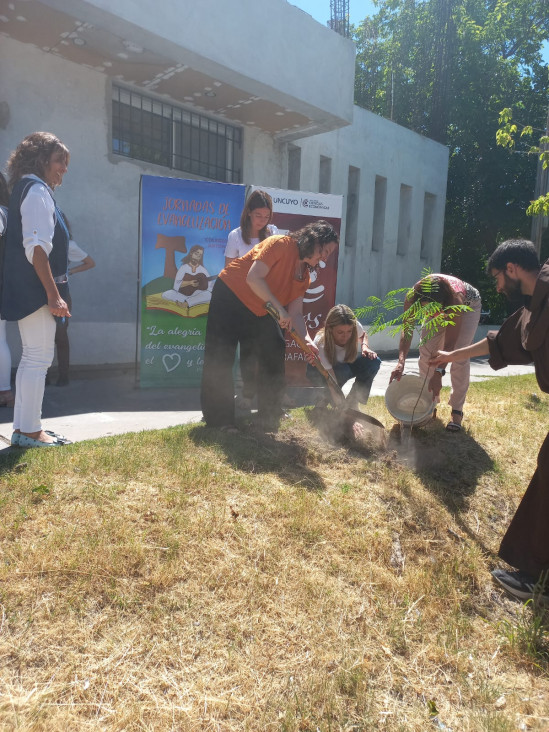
(320, 9)
(358, 10)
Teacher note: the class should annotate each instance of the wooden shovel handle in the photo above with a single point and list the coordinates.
(339, 396)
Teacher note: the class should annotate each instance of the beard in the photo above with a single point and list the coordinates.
(513, 291)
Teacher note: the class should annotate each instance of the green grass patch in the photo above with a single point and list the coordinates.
(186, 579)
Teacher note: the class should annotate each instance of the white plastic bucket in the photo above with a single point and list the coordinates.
(409, 400)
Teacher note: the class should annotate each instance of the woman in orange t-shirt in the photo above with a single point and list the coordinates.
(276, 270)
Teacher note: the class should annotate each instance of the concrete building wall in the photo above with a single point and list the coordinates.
(207, 37)
(98, 197)
(100, 194)
(379, 148)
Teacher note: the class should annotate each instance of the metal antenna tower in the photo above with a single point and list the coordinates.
(339, 17)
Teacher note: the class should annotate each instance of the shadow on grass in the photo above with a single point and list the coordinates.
(254, 451)
(10, 459)
(448, 464)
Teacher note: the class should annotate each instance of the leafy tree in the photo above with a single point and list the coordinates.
(445, 68)
(505, 137)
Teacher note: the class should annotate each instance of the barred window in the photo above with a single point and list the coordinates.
(146, 129)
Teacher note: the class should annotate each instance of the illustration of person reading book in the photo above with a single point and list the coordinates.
(192, 284)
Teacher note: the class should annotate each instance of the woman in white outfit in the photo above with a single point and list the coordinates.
(35, 275)
(255, 225)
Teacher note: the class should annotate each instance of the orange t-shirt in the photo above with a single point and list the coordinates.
(281, 256)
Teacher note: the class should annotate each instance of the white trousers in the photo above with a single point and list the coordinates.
(5, 359)
(460, 371)
(38, 339)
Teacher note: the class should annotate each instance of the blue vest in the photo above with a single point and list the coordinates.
(22, 291)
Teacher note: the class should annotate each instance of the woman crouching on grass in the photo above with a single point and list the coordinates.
(343, 351)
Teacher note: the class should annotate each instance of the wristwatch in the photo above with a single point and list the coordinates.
(440, 370)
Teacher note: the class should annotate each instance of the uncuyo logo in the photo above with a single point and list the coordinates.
(286, 201)
(305, 202)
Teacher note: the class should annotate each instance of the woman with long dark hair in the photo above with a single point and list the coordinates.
(35, 275)
(255, 226)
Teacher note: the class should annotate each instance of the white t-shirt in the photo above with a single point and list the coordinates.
(237, 247)
(75, 253)
(339, 350)
(38, 218)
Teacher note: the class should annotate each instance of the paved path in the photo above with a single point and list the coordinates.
(114, 404)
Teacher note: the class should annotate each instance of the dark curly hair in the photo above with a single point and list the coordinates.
(318, 233)
(33, 154)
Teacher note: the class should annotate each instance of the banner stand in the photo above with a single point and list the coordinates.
(292, 210)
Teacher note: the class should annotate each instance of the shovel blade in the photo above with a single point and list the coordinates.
(359, 416)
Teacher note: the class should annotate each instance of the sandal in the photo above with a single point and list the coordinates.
(454, 426)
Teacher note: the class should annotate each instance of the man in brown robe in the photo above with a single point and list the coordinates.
(523, 338)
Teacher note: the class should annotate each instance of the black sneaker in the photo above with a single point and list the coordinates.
(521, 585)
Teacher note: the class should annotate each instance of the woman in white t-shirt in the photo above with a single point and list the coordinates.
(255, 225)
(343, 350)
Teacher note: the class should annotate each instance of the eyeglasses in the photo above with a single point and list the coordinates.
(495, 276)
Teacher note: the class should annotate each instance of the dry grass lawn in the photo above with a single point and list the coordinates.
(191, 580)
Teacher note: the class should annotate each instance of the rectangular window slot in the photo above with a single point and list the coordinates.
(380, 203)
(404, 219)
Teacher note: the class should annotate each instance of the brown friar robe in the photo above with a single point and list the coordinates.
(524, 338)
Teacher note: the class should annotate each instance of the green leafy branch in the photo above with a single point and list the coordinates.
(388, 313)
(506, 137)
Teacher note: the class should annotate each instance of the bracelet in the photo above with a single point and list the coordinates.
(440, 370)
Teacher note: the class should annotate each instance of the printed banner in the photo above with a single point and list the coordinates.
(291, 211)
(184, 229)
